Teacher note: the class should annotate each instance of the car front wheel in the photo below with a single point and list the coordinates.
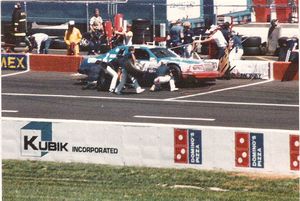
(176, 72)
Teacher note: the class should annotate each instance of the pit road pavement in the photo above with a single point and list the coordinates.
(226, 103)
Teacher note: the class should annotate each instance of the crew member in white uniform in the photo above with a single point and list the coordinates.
(41, 41)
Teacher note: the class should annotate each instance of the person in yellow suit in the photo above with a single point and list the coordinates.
(72, 39)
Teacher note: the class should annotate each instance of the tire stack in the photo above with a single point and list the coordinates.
(252, 45)
(141, 29)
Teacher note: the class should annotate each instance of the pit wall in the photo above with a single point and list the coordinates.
(152, 145)
(248, 69)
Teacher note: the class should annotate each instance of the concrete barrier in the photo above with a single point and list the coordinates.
(152, 145)
(54, 63)
(285, 71)
(251, 69)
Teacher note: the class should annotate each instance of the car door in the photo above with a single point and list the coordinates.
(145, 58)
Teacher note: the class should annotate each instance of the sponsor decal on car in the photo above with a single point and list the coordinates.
(249, 150)
(187, 146)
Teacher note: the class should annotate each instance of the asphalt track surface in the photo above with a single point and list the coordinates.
(227, 103)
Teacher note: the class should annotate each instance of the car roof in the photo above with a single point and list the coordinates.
(141, 45)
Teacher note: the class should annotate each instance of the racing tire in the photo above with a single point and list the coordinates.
(104, 79)
(176, 71)
(133, 70)
(253, 41)
(252, 51)
(282, 41)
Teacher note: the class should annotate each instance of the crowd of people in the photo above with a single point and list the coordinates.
(183, 41)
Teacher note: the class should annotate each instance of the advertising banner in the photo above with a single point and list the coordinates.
(14, 61)
(247, 69)
(152, 145)
(187, 9)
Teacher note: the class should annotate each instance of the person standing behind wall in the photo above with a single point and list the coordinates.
(96, 22)
(72, 39)
(273, 35)
(176, 36)
(19, 24)
(236, 48)
(217, 36)
(126, 35)
(188, 39)
(225, 29)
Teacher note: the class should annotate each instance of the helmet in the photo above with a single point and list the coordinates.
(84, 42)
(18, 5)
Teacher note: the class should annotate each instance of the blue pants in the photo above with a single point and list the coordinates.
(45, 46)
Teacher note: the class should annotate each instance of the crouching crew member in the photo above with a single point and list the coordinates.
(96, 75)
(41, 41)
(164, 75)
(72, 39)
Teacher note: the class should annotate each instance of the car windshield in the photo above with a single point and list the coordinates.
(162, 53)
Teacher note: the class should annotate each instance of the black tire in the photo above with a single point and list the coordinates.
(253, 41)
(132, 70)
(103, 81)
(252, 51)
(176, 71)
(282, 41)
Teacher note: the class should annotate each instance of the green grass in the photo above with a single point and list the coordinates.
(44, 181)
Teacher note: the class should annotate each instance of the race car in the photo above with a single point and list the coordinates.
(149, 57)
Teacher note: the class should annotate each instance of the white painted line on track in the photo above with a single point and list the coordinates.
(10, 111)
(173, 118)
(143, 124)
(149, 99)
(220, 90)
(235, 103)
(17, 73)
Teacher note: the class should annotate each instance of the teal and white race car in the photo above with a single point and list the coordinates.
(149, 57)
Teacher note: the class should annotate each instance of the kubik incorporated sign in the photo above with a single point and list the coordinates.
(36, 140)
(14, 61)
(187, 146)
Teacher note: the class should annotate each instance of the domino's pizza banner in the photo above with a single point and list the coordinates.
(14, 61)
(149, 145)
